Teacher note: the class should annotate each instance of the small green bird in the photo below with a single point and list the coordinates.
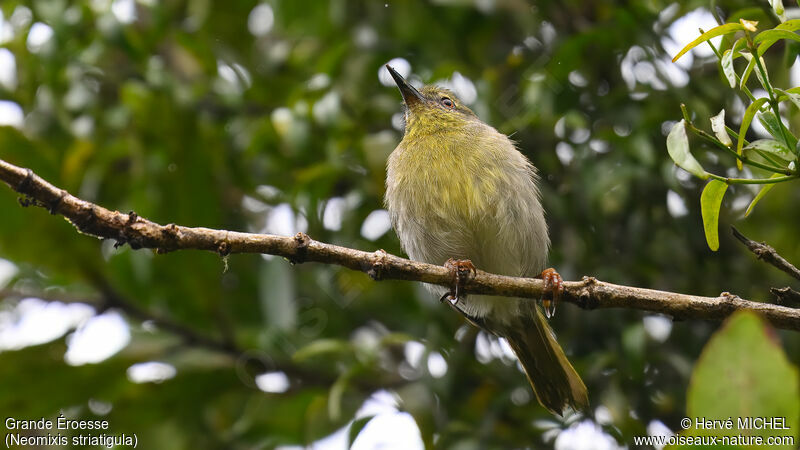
(458, 191)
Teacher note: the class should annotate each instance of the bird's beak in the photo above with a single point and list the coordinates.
(411, 95)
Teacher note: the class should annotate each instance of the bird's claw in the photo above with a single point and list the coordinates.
(449, 297)
(554, 285)
(462, 270)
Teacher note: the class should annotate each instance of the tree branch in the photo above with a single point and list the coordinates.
(767, 254)
(589, 293)
(786, 296)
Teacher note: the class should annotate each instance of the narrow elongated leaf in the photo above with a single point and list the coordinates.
(727, 60)
(710, 202)
(738, 46)
(712, 33)
(773, 35)
(751, 64)
(727, 67)
(749, 113)
(793, 97)
(771, 146)
(678, 148)
(765, 188)
(718, 126)
(772, 124)
(789, 25)
(763, 77)
(767, 38)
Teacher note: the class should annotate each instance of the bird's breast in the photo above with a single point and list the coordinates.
(445, 181)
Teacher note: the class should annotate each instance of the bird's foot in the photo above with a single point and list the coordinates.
(461, 270)
(554, 286)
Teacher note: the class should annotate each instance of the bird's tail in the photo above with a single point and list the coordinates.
(554, 380)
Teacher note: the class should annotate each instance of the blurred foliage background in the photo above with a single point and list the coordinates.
(272, 117)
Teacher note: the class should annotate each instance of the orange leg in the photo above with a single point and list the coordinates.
(553, 285)
(462, 270)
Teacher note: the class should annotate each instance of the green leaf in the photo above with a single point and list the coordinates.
(770, 146)
(738, 46)
(772, 124)
(355, 429)
(744, 373)
(767, 38)
(751, 61)
(712, 33)
(678, 148)
(749, 113)
(727, 67)
(718, 126)
(761, 193)
(710, 202)
(789, 25)
(751, 64)
(793, 97)
(727, 61)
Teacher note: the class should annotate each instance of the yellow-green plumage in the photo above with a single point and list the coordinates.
(457, 188)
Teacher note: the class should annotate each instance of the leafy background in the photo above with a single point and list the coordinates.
(272, 117)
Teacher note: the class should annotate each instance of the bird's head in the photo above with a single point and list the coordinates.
(431, 108)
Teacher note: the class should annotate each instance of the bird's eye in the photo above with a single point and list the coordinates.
(447, 103)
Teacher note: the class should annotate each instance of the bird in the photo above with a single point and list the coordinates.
(460, 193)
